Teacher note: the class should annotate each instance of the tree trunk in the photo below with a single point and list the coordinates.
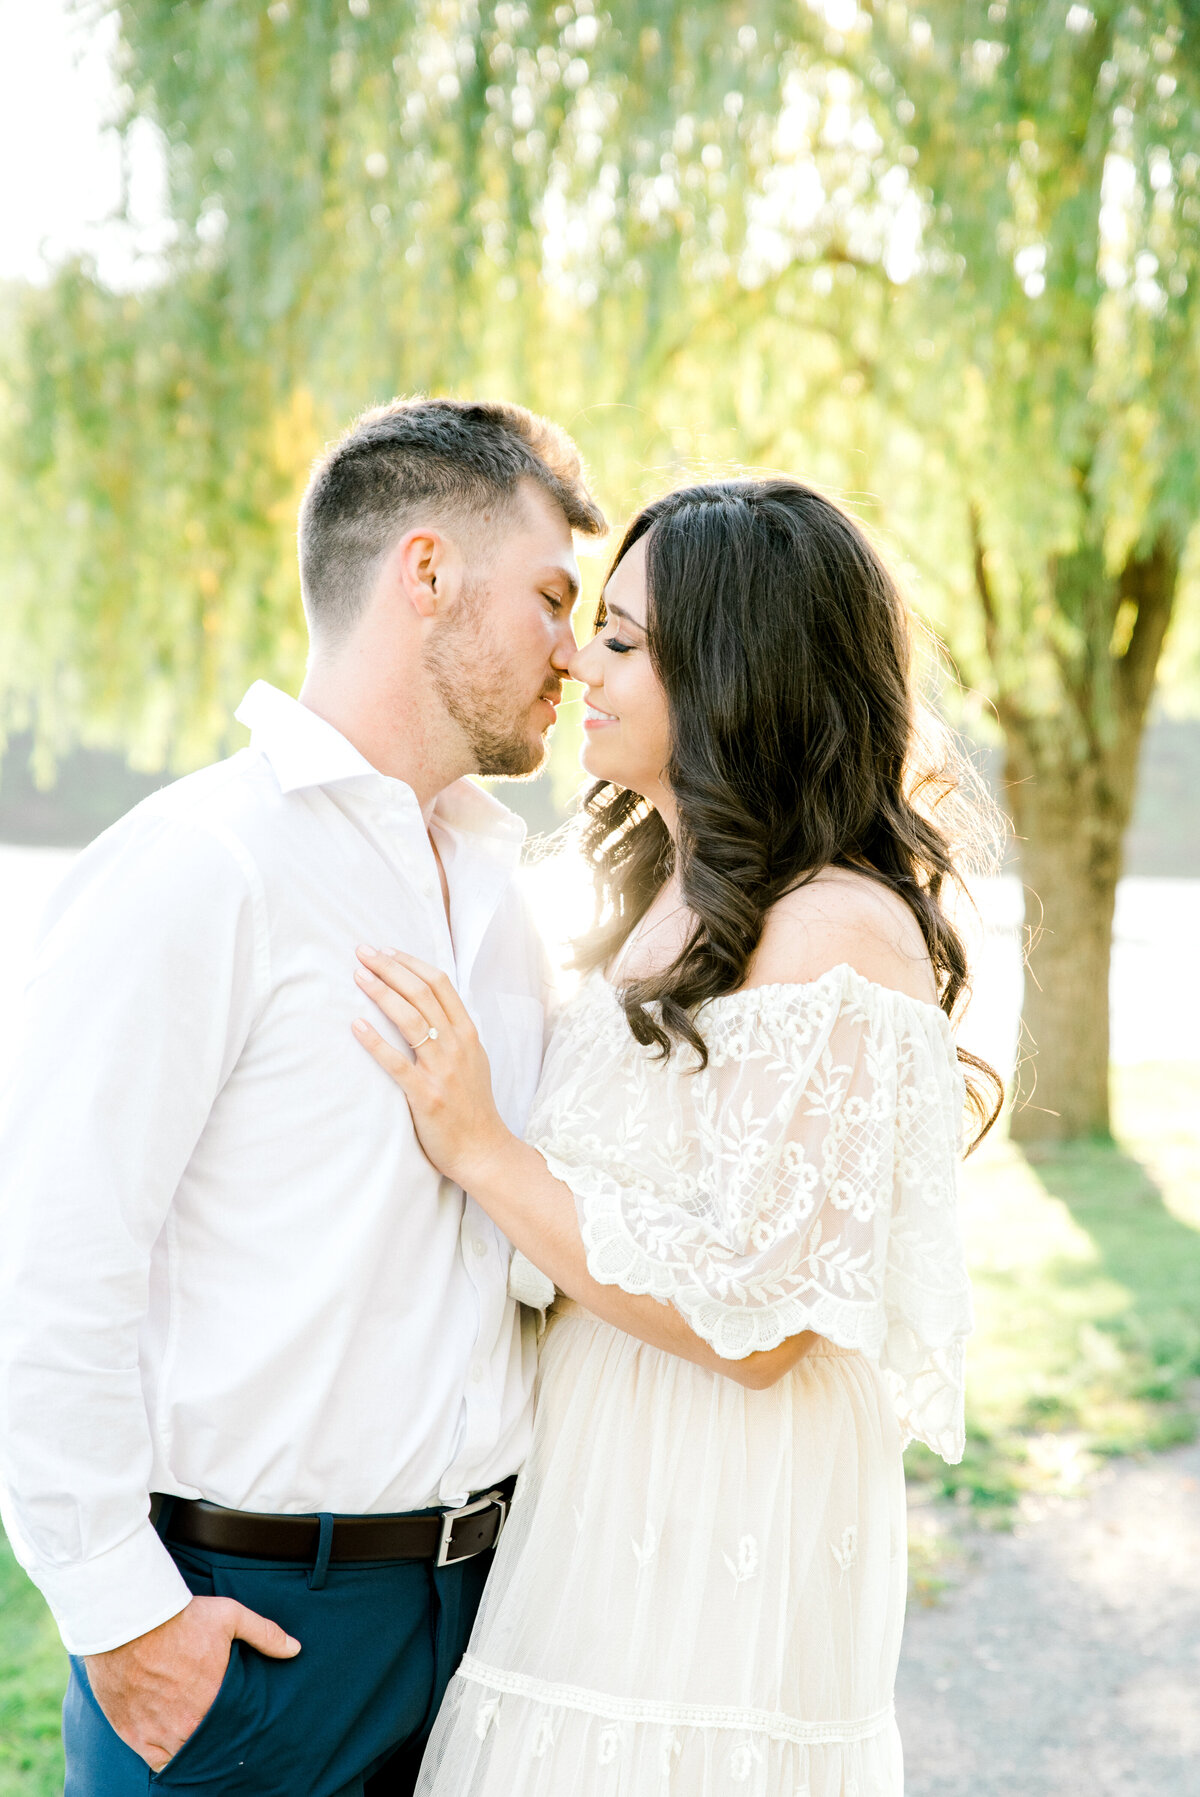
(1071, 775)
(1070, 852)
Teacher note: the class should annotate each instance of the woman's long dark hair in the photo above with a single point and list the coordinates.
(783, 648)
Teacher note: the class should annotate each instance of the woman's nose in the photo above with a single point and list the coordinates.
(582, 664)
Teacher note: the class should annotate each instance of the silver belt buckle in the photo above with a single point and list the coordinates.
(493, 1500)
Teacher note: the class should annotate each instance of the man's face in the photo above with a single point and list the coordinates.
(498, 657)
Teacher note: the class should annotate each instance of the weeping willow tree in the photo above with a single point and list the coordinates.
(944, 255)
(378, 199)
(1057, 412)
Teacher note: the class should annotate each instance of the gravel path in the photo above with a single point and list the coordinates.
(1064, 1658)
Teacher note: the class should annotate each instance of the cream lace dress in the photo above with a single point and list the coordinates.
(700, 1590)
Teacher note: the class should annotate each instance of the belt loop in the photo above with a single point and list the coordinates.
(316, 1578)
(161, 1507)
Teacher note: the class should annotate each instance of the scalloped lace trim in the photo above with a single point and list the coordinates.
(804, 1181)
(771, 1723)
(614, 1257)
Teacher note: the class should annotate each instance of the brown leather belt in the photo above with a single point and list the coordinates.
(441, 1535)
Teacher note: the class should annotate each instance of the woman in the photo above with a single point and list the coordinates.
(740, 1171)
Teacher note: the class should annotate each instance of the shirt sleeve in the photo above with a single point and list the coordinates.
(150, 968)
(806, 1180)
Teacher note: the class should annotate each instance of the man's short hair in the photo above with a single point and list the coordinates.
(415, 459)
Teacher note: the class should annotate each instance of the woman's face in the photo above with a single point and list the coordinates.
(626, 737)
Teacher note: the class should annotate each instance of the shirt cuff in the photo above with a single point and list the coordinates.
(107, 1601)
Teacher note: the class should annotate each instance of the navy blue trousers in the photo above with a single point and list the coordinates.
(348, 1717)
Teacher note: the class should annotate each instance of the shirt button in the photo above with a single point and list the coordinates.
(477, 1374)
(480, 1247)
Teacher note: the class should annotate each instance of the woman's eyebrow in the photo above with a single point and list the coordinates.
(615, 611)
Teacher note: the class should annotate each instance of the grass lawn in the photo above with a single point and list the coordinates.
(1086, 1267)
(33, 1672)
(1086, 1264)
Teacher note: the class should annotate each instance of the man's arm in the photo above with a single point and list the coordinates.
(140, 999)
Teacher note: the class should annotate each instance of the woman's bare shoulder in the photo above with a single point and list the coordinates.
(843, 917)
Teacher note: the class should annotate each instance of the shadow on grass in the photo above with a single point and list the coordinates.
(1088, 1287)
(1154, 1255)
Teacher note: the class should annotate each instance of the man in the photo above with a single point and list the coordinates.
(254, 1354)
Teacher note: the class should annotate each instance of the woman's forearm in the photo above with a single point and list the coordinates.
(537, 1213)
(450, 1095)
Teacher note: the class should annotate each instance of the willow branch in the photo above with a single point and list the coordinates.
(1148, 582)
(1008, 707)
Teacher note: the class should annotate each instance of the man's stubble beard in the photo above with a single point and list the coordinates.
(472, 683)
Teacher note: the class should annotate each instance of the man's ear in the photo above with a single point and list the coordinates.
(416, 569)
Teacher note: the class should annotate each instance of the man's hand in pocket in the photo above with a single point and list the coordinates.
(157, 1689)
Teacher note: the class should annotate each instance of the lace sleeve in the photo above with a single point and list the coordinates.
(805, 1180)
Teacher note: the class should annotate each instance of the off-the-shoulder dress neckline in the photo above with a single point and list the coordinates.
(796, 987)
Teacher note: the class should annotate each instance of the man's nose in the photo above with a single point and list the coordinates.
(564, 647)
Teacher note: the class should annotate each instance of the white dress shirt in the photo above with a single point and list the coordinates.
(226, 1268)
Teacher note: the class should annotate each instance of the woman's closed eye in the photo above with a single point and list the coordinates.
(617, 646)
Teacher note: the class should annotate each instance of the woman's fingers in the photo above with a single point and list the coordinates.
(392, 1060)
(440, 984)
(408, 1019)
(396, 973)
(448, 1085)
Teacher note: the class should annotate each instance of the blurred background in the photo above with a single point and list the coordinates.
(942, 259)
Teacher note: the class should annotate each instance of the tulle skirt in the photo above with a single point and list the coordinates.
(700, 1590)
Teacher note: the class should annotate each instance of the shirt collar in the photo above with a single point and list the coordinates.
(302, 748)
(305, 751)
(468, 810)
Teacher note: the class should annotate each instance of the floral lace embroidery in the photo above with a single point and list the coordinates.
(742, 1761)
(845, 1551)
(644, 1550)
(806, 1179)
(746, 1564)
(608, 1746)
(543, 1737)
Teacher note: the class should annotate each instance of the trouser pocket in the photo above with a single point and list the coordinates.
(216, 1738)
(377, 1644)
(310, 1726)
